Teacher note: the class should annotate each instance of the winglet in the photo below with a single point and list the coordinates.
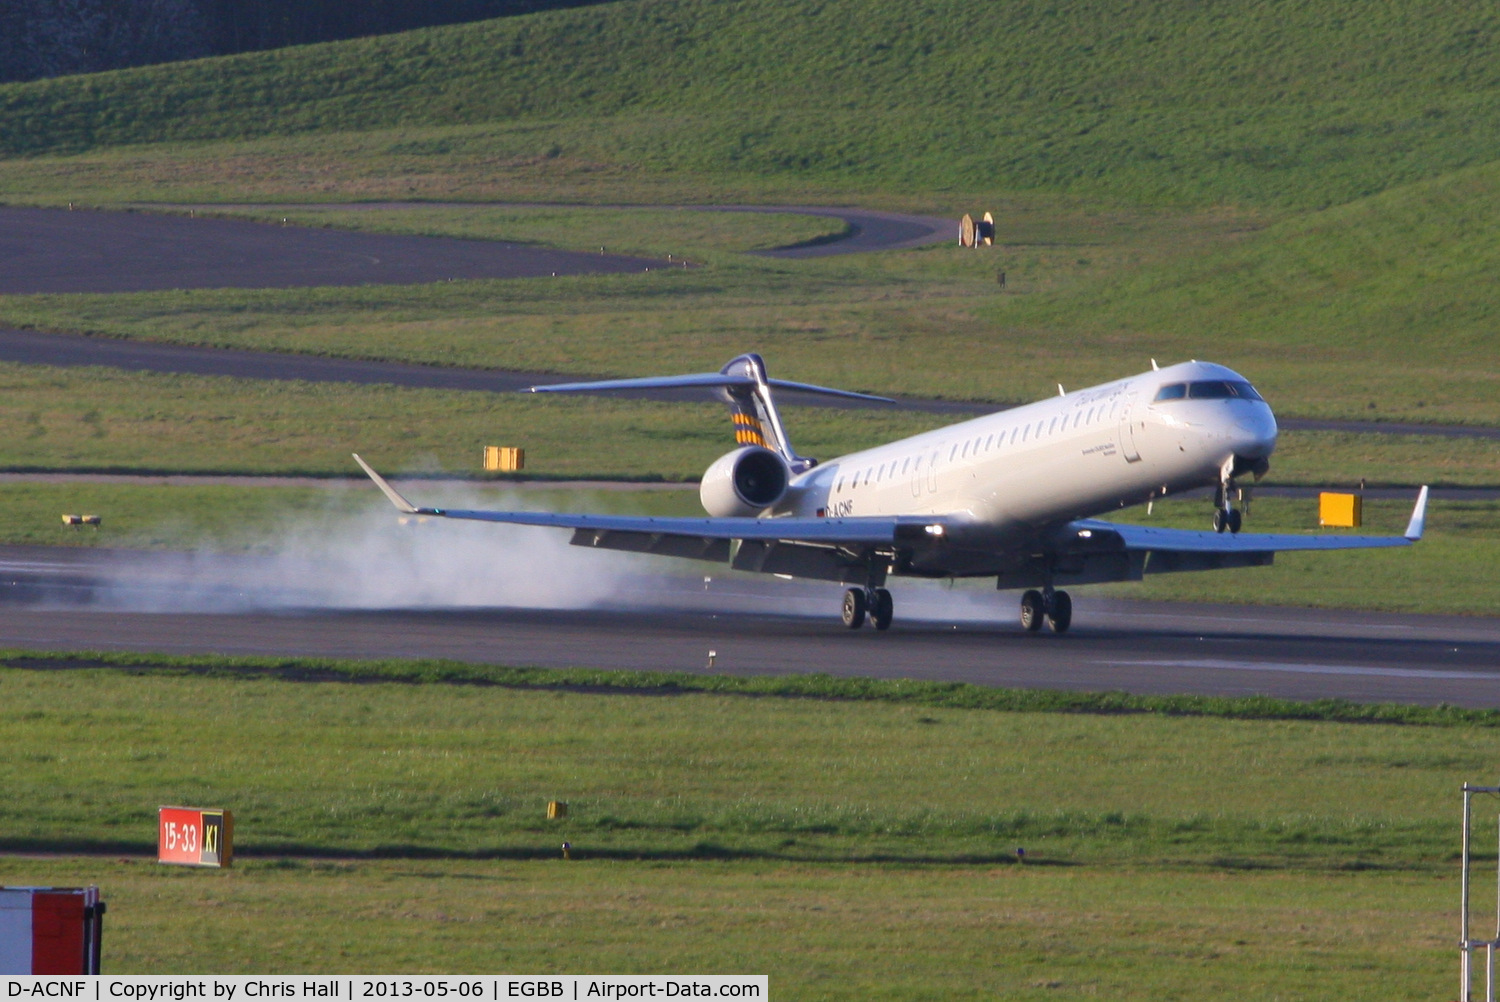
(396, 499)
(1418, 516)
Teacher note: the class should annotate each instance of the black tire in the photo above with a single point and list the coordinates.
(1061, 616)
(1032, 611)
(854, 608)
(1220, 522)
(1236, 519)
(882, 609)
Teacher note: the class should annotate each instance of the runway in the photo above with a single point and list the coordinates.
(58, 600)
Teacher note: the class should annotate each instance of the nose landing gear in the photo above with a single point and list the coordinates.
(1226, 516)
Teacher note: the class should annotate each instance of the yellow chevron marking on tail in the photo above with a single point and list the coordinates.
(748, 430)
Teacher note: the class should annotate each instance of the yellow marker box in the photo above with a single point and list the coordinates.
(1340, 511)
(503, 459)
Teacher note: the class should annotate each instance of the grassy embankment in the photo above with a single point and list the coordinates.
(1137, 103)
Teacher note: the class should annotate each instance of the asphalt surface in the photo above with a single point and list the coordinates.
(868, 229)
(53, 598)
(57, 250)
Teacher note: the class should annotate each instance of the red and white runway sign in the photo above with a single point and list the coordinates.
(50, 930)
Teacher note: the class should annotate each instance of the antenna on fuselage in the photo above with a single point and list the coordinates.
(1060, 390)
(1154, 366)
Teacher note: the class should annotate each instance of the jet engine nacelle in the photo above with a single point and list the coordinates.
(744, 482)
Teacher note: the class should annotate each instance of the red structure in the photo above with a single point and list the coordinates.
(50, 930)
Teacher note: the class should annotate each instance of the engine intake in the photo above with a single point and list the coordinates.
(744, 482)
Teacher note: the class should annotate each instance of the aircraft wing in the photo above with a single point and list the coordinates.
(1187, 541)
(812, 531)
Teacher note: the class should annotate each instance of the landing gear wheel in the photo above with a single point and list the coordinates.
(1060, 616)
(1221, 521)
(1236, 519)
(1032, 610)
(854, 608)
(882, 608)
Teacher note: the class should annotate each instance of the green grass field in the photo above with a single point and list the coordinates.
(867, 847)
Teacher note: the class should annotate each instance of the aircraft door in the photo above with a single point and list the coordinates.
(916, 477)
(1127, 432)
(932, 467)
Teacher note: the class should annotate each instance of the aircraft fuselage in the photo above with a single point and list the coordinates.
(1072, 456)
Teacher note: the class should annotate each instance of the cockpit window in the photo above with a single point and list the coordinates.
(1221, 389)
(1172, 391)
(1209, 389)
(1246, 391)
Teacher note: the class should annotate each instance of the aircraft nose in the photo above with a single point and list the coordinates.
(1255, 433)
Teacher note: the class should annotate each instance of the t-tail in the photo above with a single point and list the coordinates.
(744, 385)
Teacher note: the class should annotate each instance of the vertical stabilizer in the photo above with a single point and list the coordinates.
(753, 412)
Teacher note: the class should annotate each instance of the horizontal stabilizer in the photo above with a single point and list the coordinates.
(703, 380)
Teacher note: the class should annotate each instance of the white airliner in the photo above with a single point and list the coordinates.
(1011, 495)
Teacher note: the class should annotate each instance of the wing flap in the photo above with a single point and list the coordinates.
(1158, 540)
(874, 531)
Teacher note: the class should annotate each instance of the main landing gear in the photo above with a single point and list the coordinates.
(875, 603)
(1053, 607)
